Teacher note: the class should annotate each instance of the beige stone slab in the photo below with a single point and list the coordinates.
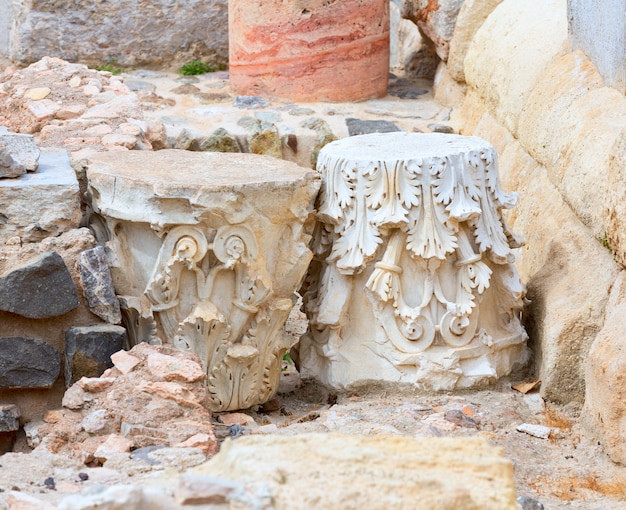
(511, 50)
(567, 271)
(571, 124)
(377, 473)
(604, 411)
(472, 15)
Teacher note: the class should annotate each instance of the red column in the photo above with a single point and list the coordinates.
(309, 50)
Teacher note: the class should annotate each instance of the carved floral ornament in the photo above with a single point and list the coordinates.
(214, 298)
(426, 210)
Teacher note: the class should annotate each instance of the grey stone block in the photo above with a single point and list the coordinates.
(98, 285)
(28, 363)
(366, 127)
(88, 350)
(38, 289)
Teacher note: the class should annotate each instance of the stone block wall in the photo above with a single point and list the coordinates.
(136, 33)
(560, 132)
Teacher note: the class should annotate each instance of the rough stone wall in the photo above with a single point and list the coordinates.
(159, 33)
(560, 132)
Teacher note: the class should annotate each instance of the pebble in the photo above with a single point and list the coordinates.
(251, 102)
(539, 431)
(528, 503)
(440, 128)
(124, 362)
(37, 93)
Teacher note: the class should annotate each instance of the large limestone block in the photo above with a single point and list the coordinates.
(377, 473)
(567, 270)
(511, 50)
(207, 252)
(472, 15)
(572, 125)
(604, 413)
(42, 204)
(130, 33)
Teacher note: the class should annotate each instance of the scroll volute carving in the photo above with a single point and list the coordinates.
(233, 327)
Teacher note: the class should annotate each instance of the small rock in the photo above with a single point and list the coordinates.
(19, 154)
(71, 111)
(114, 444)
(83, 477)
(528, 503)
(459, 418)
(170, 391)
(235, 430)
(301, 111)
(74, 398)
(196, 489)
(95, 384)
(204, 442)
(440, 128)
(75, 81)
(31, 429)
(539, 431)
(535, 402)
(119, 140)
(219, 141)
(251, 102)
(53, 416)
(364, 127)
(171, 368)
(37, 93)
(43, 109)
(124, 362)
(186, 88)
(49, 483)
(94, 422)
(9, 418)
(236, 418)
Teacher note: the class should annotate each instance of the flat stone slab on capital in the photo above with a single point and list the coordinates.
(38, 289)
(177, 187)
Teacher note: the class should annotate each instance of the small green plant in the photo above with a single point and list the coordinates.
(110, 67)
(605, 242)
(286, 362)
(196, 67)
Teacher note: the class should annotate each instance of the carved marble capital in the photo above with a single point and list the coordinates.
(414, 274)
(208, 251)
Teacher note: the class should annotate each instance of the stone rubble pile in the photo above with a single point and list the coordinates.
(72, 106)
(153, 397)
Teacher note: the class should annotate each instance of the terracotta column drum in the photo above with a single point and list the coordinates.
(309, 50)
